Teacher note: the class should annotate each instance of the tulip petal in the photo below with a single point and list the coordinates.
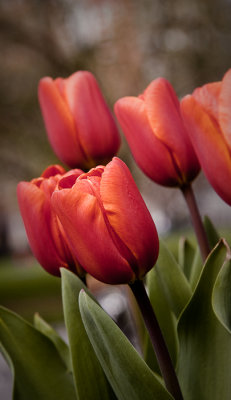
(96, 127)
(128, 214)
(150, 153)
(163, 111)
(225, 107)
(53, 170)
(84, 224)
(59, 124)
(37, 219)
(207, 96)
(69, 178)
(210, 147)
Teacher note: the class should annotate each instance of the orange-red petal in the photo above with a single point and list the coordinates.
(207, 96)
(152, 155)
(163, 111)
(53, 170)
(128, 214)
(97, 131)
(83, 221)
(59, 124)
(225, 107)
(37, 218)
(209, 144)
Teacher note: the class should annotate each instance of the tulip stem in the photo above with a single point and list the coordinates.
(158, 342)
(196, 221)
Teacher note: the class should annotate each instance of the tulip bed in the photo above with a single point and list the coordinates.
(91, 221)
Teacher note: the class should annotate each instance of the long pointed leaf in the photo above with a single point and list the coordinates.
(173, 281)
(186, 253)
(127, 372)
(205, 345)
(90, 380)
(196, 269)
(59, 343)
(165, 318)
(38, 369)
(221, 297)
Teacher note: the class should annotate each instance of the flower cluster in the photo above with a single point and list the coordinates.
(96, 221)
(79, 220)
(92, 220)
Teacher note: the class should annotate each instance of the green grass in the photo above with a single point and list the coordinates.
(29, 289)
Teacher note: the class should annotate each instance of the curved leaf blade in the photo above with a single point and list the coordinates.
(196, 269)
(205, 345)
(90, 380)
(59, 343)
(186, 253)
(166, 320)
(38, 369)
(172, 280)
(127, 372)
(221, 296)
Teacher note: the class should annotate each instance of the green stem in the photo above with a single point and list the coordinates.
(196, 221)
(160, 348)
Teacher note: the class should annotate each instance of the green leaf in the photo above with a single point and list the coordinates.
(196, 269)
(186, 254)
(221, 297)
(172, 280)
(211, 232)
(59, 343)
(205, 345)
(127, 372)
(165, 318)
(38, 369)
(90, 380)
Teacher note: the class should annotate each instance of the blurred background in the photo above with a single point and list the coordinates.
(125, 44)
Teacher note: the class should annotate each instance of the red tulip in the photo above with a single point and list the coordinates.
(80, 126)
(207, 113)
(157, 136)
(107, 223)
(45, 233)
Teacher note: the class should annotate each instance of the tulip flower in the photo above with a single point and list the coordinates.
(157, 136)
(107, 223)
(44, 230)
(207, 113)
(79, 124)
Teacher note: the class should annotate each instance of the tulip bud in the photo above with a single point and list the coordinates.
(207, 113)
(79, 124)
(157, 136)
(44, 230)
(107, 223)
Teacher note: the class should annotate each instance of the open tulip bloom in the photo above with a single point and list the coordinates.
(94, 224)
